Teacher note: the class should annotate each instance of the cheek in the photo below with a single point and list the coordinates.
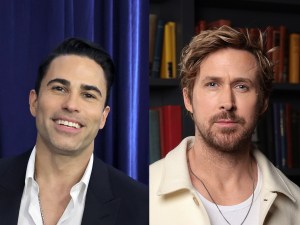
(249, 109)
(203, 108)
(95, 117)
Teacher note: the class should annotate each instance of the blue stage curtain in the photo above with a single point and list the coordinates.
(31, 28)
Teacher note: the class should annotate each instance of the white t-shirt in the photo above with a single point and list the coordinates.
(235, 214)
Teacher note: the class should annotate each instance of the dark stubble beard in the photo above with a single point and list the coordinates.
(227, 140)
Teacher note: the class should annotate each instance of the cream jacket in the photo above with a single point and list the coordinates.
(173, 199)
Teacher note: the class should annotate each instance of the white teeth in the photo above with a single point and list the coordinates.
(67, 123)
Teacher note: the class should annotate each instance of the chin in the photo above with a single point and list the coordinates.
(67, 150)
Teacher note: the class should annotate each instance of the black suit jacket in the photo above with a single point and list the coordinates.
(112, 197)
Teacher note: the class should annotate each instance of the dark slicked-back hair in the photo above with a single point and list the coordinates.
(79, 47)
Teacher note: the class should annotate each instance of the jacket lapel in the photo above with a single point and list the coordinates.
(101, 206)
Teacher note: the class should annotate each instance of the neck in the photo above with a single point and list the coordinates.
(57, 169)
(228, 176)
(221, 165)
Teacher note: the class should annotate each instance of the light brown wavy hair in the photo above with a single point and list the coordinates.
(210, 41)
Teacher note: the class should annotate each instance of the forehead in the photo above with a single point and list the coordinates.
(230, 63)
(76, 69)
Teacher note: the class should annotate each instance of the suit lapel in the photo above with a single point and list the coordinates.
(101, 207)
(11, 188)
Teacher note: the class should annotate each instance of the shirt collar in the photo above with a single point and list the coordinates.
(31, 169)
(176, 175)
(30, 166)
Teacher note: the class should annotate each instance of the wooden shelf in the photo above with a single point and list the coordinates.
(286, 87)
(163, 83)
(291, 6)
(291, 172)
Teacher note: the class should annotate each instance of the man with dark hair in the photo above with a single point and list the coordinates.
(219, 176)
(60, 181)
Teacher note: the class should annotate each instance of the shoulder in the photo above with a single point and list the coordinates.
(121, 184)
(121, 181)
(19, 161)
(12, 173)
(276, 182)
(132, 195)
(175, 160)
(156, 166)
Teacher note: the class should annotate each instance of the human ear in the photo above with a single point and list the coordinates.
(187, 100)
(104, 115)
(264, 106)
(33, 102)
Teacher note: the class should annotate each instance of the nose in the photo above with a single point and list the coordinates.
(227, 99)
(71, 103)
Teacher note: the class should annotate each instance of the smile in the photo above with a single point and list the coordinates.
(68, 123)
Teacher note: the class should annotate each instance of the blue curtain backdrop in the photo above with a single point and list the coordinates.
(31, 28)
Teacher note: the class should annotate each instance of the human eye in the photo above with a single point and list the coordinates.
(242, 87)
(211, 84)
(58, 88)
(88, 95)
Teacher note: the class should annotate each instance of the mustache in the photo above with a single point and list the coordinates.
(227, 116)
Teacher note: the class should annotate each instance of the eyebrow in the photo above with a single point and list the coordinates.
(239, 79)
(59, 80)
(67, 83)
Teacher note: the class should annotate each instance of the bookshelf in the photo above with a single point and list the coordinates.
(242, 13)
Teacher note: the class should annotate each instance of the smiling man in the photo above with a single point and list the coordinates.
(60, 181)
(218, 176)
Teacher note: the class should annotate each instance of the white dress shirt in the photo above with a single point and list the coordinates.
(30, 213)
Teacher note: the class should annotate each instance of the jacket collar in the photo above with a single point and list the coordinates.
(101, 206)
(176, 175)
(273, 179)
(175, 172)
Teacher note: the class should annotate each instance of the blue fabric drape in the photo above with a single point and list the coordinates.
(31, 28)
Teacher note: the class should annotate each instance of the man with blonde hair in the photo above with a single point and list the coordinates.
(218, 176)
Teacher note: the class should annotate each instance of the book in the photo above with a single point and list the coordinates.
(157, 54)
(170, 127)
(295, 128)
(277, 144)
(282, 67)
(270, 135)
(282, 135)
(288, 130)
(164, 66)
(172, 27)
(276, 54)
(279, 54)
(294, 57)
(200, 26)
(218, 23)
(154, 136)
(168, 60)
(152, 32)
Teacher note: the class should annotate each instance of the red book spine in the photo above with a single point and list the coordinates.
(282, 54)
(171, 127)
